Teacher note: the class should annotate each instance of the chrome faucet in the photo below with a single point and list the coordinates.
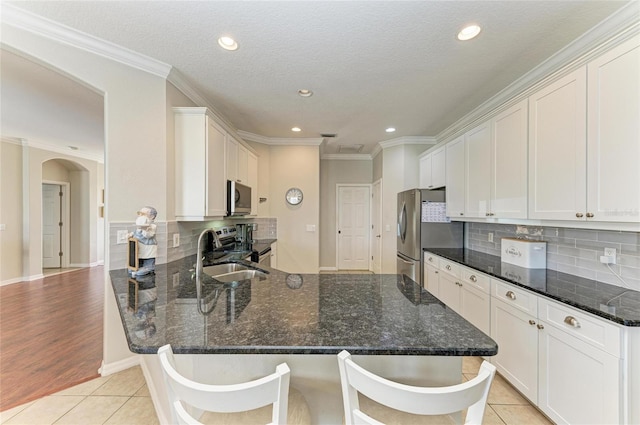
(199, 265)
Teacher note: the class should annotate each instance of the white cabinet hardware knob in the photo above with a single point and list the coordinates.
(511, 295)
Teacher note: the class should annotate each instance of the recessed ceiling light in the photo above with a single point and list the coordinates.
(296, 129)
(305, 92)
(227, 43)
(468, 32)
(390, 130)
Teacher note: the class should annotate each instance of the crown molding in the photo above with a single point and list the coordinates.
(347, 156)
(22, 19)
(57, 149)
(376, 150)
(617, 28)
(280, 141)
(408, 140)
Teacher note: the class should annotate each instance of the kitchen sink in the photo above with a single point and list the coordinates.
(239, 275)
(219, 269)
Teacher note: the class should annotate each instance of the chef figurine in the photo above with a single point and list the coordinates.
(147, 244)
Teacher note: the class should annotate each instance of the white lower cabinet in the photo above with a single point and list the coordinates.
(513, 327)
(564, 361)
(431, 274)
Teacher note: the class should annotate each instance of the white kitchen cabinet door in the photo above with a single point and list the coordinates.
(252, 164)
(613, 135)
(476, 307)
(517, 336)
(449, 291)
(478, 171)
(431, 280)
(439, 167)
(579, 384)
(424, 165)
(455, 178)
(232, 159)
(200, 166)
(509, 158)
(557, 149)
(243, 165)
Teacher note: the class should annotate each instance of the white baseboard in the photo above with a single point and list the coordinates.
(83, 265)
(12, 281)
(115, 367)
(153, 392)
(34, 277)
(328, 269)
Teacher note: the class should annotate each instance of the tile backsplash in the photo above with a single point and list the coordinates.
(188, 231)
(572, 251)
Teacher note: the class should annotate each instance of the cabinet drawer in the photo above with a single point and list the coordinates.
(476, 279)
(450, 267)
(431, 259)
(597, 332)
(519, 298)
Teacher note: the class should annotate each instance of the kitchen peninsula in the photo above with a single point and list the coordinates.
(241, 330)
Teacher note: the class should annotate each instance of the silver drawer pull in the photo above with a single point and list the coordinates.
(572, 321)
(532, 322)
(448, 267)
(473, 278)
(431, 259)
(511, 295)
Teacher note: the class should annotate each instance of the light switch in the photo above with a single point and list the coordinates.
(3, 226)
(387, 227)
(311, 227)
(122, 237)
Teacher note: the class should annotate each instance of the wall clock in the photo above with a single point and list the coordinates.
(294, 196)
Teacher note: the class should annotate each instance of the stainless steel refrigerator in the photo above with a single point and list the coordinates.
(422, 224)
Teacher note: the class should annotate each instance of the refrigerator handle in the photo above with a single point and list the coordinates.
(405, 261)
(402, 222)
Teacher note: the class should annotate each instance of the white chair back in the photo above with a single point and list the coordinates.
(272, 389)
(411, 399)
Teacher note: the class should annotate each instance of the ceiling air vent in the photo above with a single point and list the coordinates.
(328, 135)
(350, 148)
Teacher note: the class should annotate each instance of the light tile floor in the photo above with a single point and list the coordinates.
(123, 399)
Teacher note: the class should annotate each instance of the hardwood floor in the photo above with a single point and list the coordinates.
(50, 334)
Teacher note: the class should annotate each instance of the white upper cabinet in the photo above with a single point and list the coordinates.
(455, 178)
(432, 169)
(243, 165)
(509, 158)
(613, 135)
(478, 166)
(252, 180)
(232, 159)
(200, 165)
(557, 149)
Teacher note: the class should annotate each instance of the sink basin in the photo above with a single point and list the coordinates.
(224, 269)
(239, 275)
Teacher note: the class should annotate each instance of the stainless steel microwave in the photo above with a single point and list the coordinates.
(238, 198)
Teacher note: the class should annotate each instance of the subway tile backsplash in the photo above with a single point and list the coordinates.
(188, 231)
(573, 251)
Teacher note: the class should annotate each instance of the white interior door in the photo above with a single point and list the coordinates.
(51, 227)
(353, 227)
(376, 227)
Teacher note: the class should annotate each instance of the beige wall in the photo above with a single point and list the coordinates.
(11, 212)
(296, 166)
(55, 171)
(377, 166)
(333, 172)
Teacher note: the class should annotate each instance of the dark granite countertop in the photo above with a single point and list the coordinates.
(290, 314)
(614, 303)
(262, 246)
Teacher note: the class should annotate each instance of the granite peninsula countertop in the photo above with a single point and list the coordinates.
(286, 313)
(614, 303)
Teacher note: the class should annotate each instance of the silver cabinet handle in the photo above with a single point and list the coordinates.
(511, 295)
(461, 213)
(579, 215)
(473, 278)
(431, 259)
(448, 267)
(589, 215)
(532, 322)
(539, 326)
(572, 321)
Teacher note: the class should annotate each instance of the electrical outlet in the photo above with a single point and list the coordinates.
(176, 279)
(609, 256)
(122, 237)
(176, 240)
(490, 237)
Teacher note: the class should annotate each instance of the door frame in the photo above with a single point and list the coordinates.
(65, 234)
(377, 253)
(338, 186)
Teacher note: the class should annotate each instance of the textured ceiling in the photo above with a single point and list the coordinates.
(370, 64)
